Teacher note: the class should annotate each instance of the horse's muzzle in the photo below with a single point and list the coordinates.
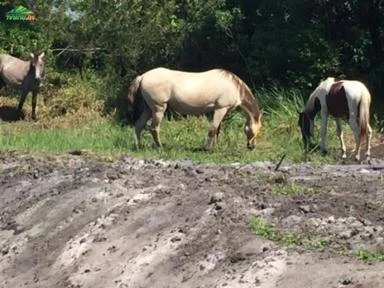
(251, 146)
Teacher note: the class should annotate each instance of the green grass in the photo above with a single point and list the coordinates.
(266, 230)
(292, 189)
(181, 139)
(370, 256)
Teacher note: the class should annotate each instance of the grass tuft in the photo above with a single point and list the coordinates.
(266, 230)
(370, 256)
(292, 189)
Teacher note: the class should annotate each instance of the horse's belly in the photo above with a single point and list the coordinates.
(11, 80)
(190, 109)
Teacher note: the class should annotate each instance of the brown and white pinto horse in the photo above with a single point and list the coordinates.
(190, 93)
(344, 98)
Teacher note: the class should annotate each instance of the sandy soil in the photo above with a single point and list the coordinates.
(78, 221)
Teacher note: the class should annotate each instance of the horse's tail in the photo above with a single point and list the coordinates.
(365, 103)
(135, 100)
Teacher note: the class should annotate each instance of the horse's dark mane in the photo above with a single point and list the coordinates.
(246, 95)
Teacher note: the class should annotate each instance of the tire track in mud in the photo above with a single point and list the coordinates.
(80, 222)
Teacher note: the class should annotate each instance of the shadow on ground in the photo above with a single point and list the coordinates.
(11, 114)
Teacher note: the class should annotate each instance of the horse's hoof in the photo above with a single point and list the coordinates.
(157, 147)
(207, 149)
(344, 156)
(251, 146)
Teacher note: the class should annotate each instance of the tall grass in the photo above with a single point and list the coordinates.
(71, 120)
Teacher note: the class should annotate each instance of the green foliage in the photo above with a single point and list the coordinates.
(74, 94)
(290, 43)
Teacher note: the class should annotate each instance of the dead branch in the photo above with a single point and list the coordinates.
(281, 161)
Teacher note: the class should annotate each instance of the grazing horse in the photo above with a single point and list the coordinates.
(191, 93)
(339, 98)
(23, 75)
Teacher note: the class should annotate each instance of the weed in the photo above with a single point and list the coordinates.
(370, 256)
(292, 189)
(266, 230)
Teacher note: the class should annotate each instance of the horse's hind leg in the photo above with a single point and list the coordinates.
(2, 83)
(356, 133)
(139, 126)
(369, 136)
(157, 116)
(213, 132)
(339, 129)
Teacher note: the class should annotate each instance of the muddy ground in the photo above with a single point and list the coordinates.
(78, 221)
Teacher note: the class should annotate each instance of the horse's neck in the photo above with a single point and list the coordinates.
(250, 107)
(313, 105)
(314, 108)
(30, 68)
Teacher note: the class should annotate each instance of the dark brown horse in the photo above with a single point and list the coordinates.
(23, 75)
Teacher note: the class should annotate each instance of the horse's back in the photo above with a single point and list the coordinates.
(343, 92)
(6, 59)
(356, 89)
(162, 75)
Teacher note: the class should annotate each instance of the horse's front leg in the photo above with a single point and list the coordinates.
(339, 130)
(323, 132)
(2, 83)
(22, 100)
(213, 132)
(34, 101)
(157, 116)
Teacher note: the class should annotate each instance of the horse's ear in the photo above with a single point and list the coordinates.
(32, 55)
(42, 55)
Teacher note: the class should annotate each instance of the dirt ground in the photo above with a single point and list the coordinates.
(78, 221)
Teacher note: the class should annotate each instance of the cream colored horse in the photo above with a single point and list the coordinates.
(191, 93)
(344, 98)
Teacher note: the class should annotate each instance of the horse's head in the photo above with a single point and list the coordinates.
(252, 129)
(37, 62)
(306, 127)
